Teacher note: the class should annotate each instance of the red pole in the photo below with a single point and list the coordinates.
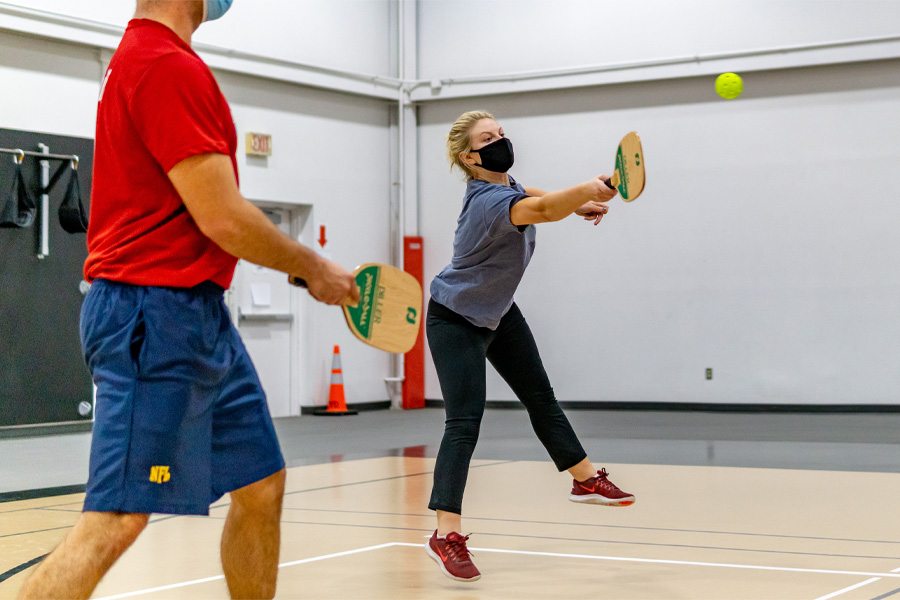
(414, 380)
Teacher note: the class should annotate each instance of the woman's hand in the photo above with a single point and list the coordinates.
(599, 190)
(592, 211)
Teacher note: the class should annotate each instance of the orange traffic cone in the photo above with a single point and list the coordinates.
(337, 405)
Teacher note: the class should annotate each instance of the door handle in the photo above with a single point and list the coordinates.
(265, 317)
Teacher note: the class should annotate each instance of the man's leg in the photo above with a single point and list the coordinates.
(76, 566)
(252, 538)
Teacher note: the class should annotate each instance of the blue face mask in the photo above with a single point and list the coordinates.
(214, 9)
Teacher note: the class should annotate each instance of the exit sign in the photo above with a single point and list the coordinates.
(259, 144)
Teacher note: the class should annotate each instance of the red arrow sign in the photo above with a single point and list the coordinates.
(322, 240)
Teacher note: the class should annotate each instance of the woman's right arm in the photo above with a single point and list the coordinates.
(555, 206)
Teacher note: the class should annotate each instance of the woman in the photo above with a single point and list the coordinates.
(472, 316)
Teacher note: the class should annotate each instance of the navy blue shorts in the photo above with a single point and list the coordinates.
(180, 417)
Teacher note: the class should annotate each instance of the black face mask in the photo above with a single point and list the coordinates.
(497, 156)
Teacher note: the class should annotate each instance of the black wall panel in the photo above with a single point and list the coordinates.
(42, 373)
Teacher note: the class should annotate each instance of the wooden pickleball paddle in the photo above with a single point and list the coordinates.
(389, 311)
(628, 177)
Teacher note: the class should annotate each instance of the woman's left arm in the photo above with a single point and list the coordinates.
(534, 192)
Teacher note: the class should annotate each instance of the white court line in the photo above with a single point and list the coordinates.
(848, 589)
(892, 574)
(853, 587)
(205, 579)
(678, 562)
(337, 554)
(162, 588)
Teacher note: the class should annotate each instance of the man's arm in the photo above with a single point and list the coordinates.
(208, 188)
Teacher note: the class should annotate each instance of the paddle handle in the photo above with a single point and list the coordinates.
(612, 182)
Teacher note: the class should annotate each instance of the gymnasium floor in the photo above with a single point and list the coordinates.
(729, 506)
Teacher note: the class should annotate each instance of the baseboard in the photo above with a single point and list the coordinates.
(62, 490)
(698, 407)
(25, 431)
(359, 407)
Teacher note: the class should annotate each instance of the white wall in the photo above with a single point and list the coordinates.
(48, 86)
(114, 13)
(331, 151)
(484, 37)
(342, 34)
(765, 245)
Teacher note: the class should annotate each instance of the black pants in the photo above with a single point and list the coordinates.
(459, 350)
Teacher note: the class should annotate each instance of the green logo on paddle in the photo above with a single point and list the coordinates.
(368, 311)
(623, 174)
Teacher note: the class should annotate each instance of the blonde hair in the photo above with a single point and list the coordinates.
(458, 140)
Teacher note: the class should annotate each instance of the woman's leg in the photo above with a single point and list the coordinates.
(583, 470)
(515, 355)
(458, 349)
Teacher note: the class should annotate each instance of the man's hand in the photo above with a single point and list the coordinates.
(331, 284)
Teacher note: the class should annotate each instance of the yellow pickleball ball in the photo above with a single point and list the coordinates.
(729, 85)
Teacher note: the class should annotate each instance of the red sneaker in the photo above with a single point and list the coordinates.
(600, 490)
(453, 556)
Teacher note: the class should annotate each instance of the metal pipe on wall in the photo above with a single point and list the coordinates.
(658, 62)
(395, 381)
(20, 152)
(70, 29)
(44, 249)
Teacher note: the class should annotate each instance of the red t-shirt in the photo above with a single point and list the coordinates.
(159, 104)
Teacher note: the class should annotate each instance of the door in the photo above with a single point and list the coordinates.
(263, 304)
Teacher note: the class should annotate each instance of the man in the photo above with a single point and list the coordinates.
(181, 418)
